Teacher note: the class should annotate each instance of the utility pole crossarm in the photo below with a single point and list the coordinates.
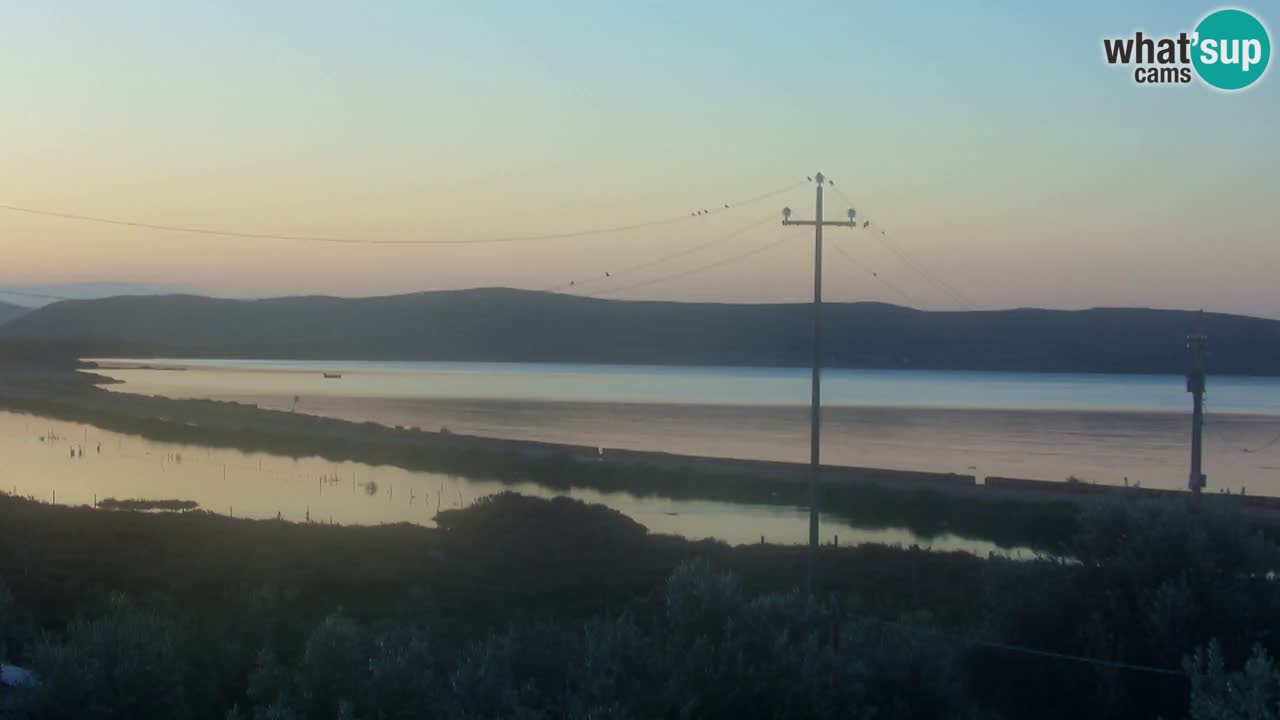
(824, 223)
(815, 414)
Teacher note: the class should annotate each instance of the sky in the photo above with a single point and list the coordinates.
(991, 144)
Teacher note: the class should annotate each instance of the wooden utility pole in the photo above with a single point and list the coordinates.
(815, 410)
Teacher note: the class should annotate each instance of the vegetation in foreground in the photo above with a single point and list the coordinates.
(519, 607)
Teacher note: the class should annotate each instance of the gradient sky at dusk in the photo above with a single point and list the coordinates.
(992, 141)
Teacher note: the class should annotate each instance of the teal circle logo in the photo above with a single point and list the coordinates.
(1232, 49)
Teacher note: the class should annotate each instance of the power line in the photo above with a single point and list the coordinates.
(692, 271)
(850, 259)
(332, 240)
(920, 268)
(195, 230)
(645, 265)
(663, 259)
(1265, 446)
(1100, 662)
(1023, 650)
(1227, 445)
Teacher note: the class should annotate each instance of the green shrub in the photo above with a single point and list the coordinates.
(1253, 693)
(17, 629)
(124, 664)
(1147, 583)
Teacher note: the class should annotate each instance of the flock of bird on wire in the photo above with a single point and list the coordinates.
(727, 206)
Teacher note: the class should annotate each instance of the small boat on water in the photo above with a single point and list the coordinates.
(332, 376)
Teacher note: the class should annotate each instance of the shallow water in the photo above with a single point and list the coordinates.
(76, 464)
(1107, 429)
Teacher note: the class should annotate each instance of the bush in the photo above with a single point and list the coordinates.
(17, 629)
(1147, 583)
(700, 648)
(344, 669)
(508, 520)
(333, 666)
(522, 672)
(703, 649)
(402, 681)
(1251, 694)
(125, 664)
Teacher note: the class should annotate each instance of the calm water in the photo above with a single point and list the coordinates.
(1099, 428)
(39, 462)
(701, 385)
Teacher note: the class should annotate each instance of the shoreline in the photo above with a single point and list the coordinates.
(581, 453)
(120, 386)
(1037, 514)
(775, 387)
(1100, 447)
(920, 507)
(209, 362)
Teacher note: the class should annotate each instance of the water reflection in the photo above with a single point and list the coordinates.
(76, 464)
(1109, 430)
(626, 384)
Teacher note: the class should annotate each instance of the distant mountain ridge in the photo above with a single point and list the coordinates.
(9, 311)
(40, 294)
(500, 324)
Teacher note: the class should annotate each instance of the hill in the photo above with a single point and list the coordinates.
(9, 312)
(523, 326)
